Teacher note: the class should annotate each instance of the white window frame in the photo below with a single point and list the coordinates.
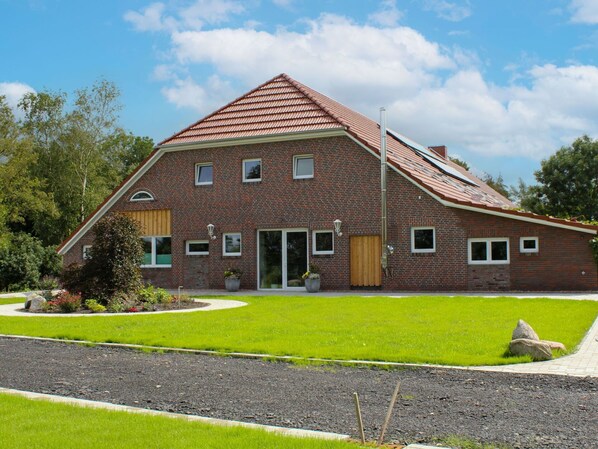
(151, 198)
(296, 158)
(314, 251)
(522, 249)
(424, 250)
(488, 261)
(154, 255)
(203, 164)
(227, 254)
(261, 170)
(85, 251)
(189, 252)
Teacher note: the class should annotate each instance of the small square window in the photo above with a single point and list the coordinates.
(423, 240)
(204, 174)
(197, 248)
(86, 252)
(252, 170)
(488, 251)
(303, 167)
(528, 245)
(323, 242)
(231, 244)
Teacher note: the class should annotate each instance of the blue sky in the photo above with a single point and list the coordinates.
(502, 84)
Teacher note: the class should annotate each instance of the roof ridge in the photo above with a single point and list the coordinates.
(304, 91)
(283, 75)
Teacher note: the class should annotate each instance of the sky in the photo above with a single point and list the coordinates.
(504, 84)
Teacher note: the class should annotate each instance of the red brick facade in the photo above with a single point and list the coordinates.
(346, 186)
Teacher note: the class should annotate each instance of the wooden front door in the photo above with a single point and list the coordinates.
(365, 261)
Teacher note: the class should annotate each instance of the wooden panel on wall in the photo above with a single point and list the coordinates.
(365, 261)
(153, 222)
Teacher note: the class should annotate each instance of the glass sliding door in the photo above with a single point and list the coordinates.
(282, 258)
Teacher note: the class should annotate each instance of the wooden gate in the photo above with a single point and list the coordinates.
(365, 261)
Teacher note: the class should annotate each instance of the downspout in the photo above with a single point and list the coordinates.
(384, 223)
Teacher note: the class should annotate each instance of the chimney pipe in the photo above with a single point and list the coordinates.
(384, 223)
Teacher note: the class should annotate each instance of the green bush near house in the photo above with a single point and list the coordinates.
(458, 330)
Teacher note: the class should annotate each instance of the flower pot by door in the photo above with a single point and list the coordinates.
(312, 285)
(232, 284)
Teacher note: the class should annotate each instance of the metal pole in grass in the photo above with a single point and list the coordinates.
(389, 412)
(359, 420)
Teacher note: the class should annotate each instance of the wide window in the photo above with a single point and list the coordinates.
(488, 251)
(197, 248)
(157, 252)
(142, 196)
(252, 170)
(423, 240)
(323, 242)
(231, 244)
(204, 174)
(303, 166)
(528, 245)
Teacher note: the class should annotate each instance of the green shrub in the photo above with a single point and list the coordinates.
(121, 302)
(594, 246)
(147, 294)
(162, 296)
(48, 282)
(71, 278)
(94, 306)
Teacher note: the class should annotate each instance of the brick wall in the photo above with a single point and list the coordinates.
(345, 186)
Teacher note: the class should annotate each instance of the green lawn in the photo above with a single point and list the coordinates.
(444, 330)
(26, 423)
(12, 300)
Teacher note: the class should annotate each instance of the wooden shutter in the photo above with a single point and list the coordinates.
(153, 222)
(365, 261)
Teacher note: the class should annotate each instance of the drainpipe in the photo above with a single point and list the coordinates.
(384, 224)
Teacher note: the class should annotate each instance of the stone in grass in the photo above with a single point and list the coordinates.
(34, 303)
(524, 330)
(555, 345)
(538, 350)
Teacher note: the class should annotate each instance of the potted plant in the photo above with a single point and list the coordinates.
(232, 279)
(312, 278)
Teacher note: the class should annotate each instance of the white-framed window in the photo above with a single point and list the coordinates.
(529, 245)
(197, 247)
(303, 166)
(423, 239)
(488, 251)
(204, 174)
(86, 253)
(157, 252)
(252, 170)
(322, 242)
(142, 195)
(231, 244)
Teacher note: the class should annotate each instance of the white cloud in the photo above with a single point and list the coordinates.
(283, 3)
(452, 12)
(150, 19)
(584, 11)
(187, 93)
(13, 93)
(388, 15)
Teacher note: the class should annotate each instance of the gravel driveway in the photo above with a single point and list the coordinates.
(522, 411)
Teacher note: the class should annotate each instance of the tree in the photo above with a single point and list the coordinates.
(458, 161)
(497, 184)
(567, 183)
(115, 256)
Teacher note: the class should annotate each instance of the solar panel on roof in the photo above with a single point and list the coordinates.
(430, 157)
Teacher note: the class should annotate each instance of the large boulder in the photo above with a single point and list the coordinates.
(34, 303)
(554, 345)
(538, 350)
(524, 330)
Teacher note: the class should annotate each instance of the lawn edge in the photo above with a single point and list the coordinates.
(86, 403)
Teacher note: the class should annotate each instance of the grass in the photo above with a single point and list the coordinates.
(443, 330)
(11, 300)
(458, 442)
(27, 423)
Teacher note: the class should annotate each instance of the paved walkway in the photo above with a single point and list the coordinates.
(584, 362)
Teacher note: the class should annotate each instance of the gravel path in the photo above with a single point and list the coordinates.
(522, 411)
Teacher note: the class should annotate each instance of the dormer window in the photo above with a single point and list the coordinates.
(142, 196)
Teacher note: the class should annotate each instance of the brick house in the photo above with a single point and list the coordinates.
(260, 183)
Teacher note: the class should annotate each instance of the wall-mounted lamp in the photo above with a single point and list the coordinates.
(337, 227)
(390, 250)
(211, 231)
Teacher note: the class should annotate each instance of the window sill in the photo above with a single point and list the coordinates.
(155, 266)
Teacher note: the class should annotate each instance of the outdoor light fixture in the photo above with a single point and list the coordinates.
(390, 249)
(211, 231)
(337, 227)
